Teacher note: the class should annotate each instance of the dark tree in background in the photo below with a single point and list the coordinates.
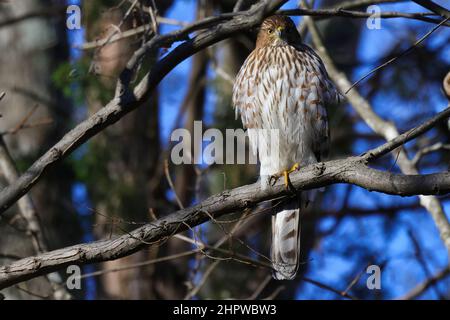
(32, 51)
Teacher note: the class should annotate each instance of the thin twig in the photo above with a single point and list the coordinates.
(328, 288)
(432, 6)
(350, 170)
(139, 264)
(433, 148)
(24, 121)
(33, 125)
(238, 6)
(422, 260)
(398, 56)
(385, 129)
(260, 288)
(355, 280)
(275, 293)
(170, 182)
(31, 293)
(421, 288)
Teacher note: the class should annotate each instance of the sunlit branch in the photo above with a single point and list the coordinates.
(383, 128)
(353, 170)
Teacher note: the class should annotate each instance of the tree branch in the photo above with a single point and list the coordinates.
(25, 204)
(339, 12)
(126, 101)
(421, 288)
(220, 27)
(383, 128)
(352, 170)
(356, 4)
(430, 5)
(48, 12)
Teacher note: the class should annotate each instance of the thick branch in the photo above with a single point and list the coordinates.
(338, 12)
(383, 128)
(119, 107)
(220, 27)
(320, 13)
(351, 170)
(430, 5)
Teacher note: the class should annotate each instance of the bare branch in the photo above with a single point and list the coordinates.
(126, 102)
(356, 4)
(114, 38)
(238, 6)
(260, 288)
(415, 44)
(339, 12)
(430, 5)
(170, 182)
(385, 129)
(48, 12)
(351, 170)
(220, 27)
(328, 288)
(433, 148)
(139, 264)
(26, 206)
(421, 288)
(29, 213)
(275, 293)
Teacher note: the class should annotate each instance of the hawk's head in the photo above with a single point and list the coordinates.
(277, 31)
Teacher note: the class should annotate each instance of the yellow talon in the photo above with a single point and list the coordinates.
(273, 179)
(295, 167)
(285, 173)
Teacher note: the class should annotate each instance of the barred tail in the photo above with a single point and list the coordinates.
(285, 253)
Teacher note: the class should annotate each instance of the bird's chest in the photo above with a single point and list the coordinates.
(278, 96)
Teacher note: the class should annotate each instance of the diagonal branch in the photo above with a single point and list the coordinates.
(352, 170)
(349, 170)
(383, 128)
(422, 287)
(25, 204)
(219, 28)
(127, 101)
(357, 4)
(339, 12)
(396, 57)
(430, 5)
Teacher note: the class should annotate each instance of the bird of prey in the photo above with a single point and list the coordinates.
(283, 86)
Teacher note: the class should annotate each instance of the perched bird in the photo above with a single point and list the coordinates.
(283, 86)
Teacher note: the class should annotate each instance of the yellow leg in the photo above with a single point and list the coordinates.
(286, 178)
(285, 174)
(295, 167)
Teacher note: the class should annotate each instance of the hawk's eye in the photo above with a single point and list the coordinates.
(270, 31)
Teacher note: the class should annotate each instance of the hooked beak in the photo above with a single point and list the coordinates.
(279, 32)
